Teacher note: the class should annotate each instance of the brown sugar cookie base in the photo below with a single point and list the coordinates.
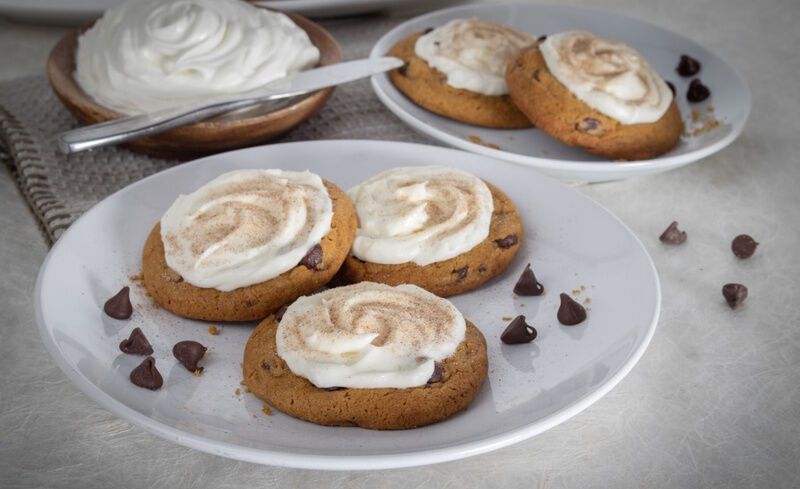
(557, 111)
(268, 377)
(459, 274)
(256, 301)
(428, 87)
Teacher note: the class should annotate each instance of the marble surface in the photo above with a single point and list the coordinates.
(714, 402)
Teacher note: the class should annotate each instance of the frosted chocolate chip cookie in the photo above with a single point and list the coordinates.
(245, 244)
(367, 355)
(440, 228)
(595, 93)
(458, 71)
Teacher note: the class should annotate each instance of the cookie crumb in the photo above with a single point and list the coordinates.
(506, 318)
(576, 291)
(137, 277)
(213, 330)
(238, 392)
(587, 300)
(266, 410)
(475, 139)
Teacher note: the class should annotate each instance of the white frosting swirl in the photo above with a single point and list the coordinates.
(421, 214)
(369, 335)
(472, 53)
(145, 55)
(609, 76)
(245, 227)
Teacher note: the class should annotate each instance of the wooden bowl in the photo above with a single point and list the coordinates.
(240, 129)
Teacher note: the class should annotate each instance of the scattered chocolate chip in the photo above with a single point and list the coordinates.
(189, 353)
(249, 303)
(518, 331)
(688, 66)
(527, 284)
(280, 312)
(331, 389)
(266, 366)
(482, 268)
(313, 257)
(570, 312)
(536, 75)
(697, 91)
(462, 272)
(438, 373)
(734, 294)
(507, 242)
(136, 344)
(119, 306)
(590, 126)
(673, 235)
(147, 375)
(671, 87)
(403, 69)
(541, 38)
(428, 30)
(743, 246)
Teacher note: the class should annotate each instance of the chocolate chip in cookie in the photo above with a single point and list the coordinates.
(507, 242)
(313, 257)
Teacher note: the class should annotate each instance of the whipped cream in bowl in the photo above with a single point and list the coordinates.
(607, 75)
(245, 227)
(422, 214)
(369, 335)
(146, 55)
(472, 53)
(182, 51)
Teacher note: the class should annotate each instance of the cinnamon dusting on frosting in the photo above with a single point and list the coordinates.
(369, 335)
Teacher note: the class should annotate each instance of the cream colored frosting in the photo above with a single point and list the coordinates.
(472, 53)
(146, 55)
(245, 227)
(609, 76)
(369, 335)
(421, 214)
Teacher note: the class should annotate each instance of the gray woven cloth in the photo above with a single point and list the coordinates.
(60, 188)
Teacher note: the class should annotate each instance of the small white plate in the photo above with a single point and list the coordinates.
(730, 95)
(570, 240)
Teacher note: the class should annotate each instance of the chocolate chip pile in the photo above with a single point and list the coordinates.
(518, 330)
(687, 68)
(146, 375)
(743, 247)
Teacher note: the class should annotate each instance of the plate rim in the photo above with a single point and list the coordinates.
(337, 462)
(612, 168)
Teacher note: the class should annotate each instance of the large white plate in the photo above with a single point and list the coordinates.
(730, 94)
(571, 241)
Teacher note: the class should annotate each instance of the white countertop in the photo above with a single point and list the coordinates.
(714, 402)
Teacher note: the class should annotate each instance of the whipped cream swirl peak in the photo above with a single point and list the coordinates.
(245, 227)
(609, 76)
(146, 55)
(422, 214)
(369, 335)
(472, 53)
